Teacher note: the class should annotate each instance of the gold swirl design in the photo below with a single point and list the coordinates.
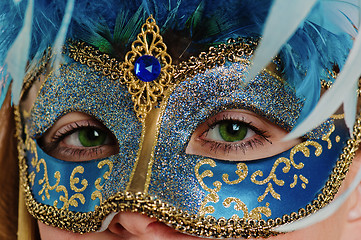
(106, 175)
(212, 196)
(46, 187)
(145, 94)
(97, 194)
(326, 137)
(242, 172)
(269, 189)
(272, 175)
(75, 180)
(65, 198)
(302, 147)
(32, 178)
(45, 180)
(255, 213)
(31, 146)
(207, 173)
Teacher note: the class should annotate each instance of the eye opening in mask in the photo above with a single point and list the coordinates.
(238, 135)
(78, 137)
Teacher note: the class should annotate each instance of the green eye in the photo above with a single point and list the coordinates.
(90, 137)
(232, 131)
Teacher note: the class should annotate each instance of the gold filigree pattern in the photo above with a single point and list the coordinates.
(106, 175)
(46, 187)
(234, 51)
(255, 213)
(326, 137)
(97, 194)
(74, 180)
(242, 172)
(146, 94)
(302, 147)
(149, 42)
(269, 189)
(212, 196)
(96, 60)
(30, 145)
(68, 201)
(207, 173)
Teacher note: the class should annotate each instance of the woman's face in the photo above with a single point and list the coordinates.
(84, 130)
(213, 146)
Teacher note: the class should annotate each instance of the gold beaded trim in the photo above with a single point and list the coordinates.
(179, 220)
(146, 94)
(233, 51)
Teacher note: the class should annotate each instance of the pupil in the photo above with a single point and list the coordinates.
(232, 131)
(233, 128)
(92, 135)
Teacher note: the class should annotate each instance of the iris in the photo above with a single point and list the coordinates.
(90, 137)
(232, 131)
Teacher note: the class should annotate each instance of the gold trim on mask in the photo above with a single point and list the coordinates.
(141, 202)
(148, 42)
(179, 220)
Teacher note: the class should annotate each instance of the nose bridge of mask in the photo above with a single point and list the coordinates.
(141, 174)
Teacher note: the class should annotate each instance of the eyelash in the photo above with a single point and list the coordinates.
(261, 137)
(69, 129)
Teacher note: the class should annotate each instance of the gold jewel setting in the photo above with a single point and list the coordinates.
(149, 42)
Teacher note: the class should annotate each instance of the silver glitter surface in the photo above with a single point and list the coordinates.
(192, 103)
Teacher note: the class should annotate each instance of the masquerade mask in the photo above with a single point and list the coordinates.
(191, 143)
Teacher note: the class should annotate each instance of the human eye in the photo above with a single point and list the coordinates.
(78, 137)
(238, 135)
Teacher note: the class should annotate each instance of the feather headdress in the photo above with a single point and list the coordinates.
(296, 30)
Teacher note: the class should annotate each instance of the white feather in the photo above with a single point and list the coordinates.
(283, 20)
(17, 56)
(323, 213)
(344, 90)
(337, 16)
(61, 36)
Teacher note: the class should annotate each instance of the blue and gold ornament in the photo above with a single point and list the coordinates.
(162, 71)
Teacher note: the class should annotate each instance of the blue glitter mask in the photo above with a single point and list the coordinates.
(195, 194)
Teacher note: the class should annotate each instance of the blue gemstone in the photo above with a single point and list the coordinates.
(147, 68)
